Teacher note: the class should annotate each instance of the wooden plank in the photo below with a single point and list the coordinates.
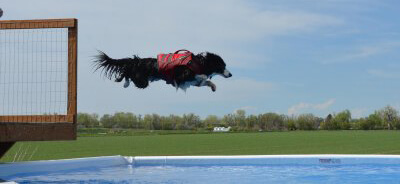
(12, 132)
(35, 119)
(72, 72)
(37, 24)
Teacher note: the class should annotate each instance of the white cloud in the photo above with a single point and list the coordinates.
(325, 105)
(396, 106)
(384, 74)
(301, 107)
(364, 52)
(220, 21)
(358, 112)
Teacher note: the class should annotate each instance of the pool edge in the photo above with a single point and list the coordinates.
(262, 160)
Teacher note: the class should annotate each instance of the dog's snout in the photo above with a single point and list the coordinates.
(227, 74)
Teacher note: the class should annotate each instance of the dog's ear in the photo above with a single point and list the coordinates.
(201, 55)
(211, 56)
(208, 55)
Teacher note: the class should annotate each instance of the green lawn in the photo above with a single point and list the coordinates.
(299, 142)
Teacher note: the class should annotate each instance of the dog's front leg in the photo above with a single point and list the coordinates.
(201, 78)
(211, 85)
(202, 81)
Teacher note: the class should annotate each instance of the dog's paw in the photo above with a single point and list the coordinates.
(213, 87)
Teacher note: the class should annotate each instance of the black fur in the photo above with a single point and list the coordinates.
(141, 71)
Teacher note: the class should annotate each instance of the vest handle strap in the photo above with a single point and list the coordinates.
(181, 50)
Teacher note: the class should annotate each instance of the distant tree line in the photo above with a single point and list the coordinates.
(386, 118)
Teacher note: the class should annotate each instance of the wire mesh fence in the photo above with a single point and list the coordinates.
(38, 80)
(33, 71)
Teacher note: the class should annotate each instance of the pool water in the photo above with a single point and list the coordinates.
(223, 174)
(210, 169)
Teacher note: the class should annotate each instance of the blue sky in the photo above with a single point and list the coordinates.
(286, 56)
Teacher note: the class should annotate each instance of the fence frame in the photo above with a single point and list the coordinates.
(45, 127)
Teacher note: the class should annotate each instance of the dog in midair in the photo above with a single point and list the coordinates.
(181, 69)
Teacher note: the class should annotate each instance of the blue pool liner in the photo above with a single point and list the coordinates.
(49, 166)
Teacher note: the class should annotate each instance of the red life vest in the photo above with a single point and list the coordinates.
(167, 63)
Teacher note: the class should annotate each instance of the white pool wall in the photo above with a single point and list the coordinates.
(263, 160)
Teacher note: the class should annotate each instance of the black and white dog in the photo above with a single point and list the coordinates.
(141, 71)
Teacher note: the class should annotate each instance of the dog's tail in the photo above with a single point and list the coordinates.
(110, 67)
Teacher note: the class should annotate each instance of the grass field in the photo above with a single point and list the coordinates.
(265, 143)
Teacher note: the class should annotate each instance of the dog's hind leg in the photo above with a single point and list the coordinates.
(176, 85)
(126, 84)
(119, 79)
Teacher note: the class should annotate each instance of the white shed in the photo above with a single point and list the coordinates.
(221, 129)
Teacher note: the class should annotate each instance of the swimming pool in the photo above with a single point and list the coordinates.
(210, 169)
